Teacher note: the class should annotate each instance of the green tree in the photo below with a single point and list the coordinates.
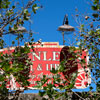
(15, 62)
(88, 38)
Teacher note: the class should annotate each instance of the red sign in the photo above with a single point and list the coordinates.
(46, 57)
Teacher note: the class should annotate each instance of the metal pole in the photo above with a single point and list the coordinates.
(63, 38)
(18, 40)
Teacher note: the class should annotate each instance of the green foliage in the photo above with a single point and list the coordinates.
(15, 62)
(34, 8)
(4, 4)
(95, 15)
(96, 5)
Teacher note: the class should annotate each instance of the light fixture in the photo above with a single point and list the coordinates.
(65, 27)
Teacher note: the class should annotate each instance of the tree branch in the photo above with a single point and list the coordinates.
(19, 15)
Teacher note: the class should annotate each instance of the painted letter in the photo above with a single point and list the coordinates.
(39, 67)
(37, 56)
(56, 56)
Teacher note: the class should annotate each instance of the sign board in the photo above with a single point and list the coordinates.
(47, 56)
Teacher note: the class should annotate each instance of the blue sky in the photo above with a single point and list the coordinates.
(47, 19)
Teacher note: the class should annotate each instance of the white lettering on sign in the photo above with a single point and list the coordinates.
(40, 75)
(39, 67)
(31, 68)
(43, 56)
(56, 66)
(47, 67)
(37, 56)
(56, 56)
(50, 66)
(49, 75)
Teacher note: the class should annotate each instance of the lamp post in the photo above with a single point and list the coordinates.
(65, 54)
(65, 27)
